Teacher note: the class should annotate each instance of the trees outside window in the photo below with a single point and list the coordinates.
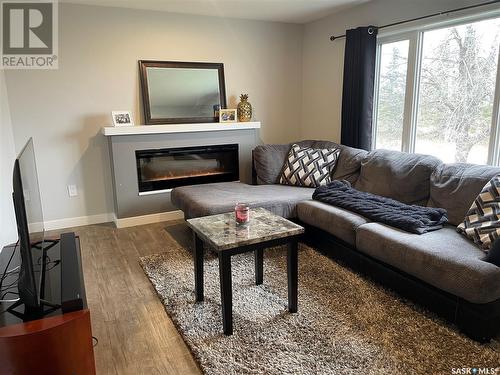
(456, 74)
(391, 95)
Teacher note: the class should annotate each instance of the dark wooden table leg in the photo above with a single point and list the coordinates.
(259, 266)
(292, 265)
(198, 268)
(226, 292)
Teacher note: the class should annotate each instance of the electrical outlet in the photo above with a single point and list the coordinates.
(72, 190)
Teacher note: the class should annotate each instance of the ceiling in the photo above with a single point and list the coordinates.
(292, 11)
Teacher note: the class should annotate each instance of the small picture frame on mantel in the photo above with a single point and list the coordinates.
(122, 118)
(227, 115)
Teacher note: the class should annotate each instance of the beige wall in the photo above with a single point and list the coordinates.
(323, 60)
(293, 74)
(99, 48)
(7, 156)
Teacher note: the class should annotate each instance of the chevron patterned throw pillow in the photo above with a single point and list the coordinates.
(482, 222)
(309, 167)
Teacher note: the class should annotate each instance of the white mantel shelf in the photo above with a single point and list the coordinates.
(178, 128)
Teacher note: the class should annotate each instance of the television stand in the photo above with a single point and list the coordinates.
(60, 328)
(32, 314)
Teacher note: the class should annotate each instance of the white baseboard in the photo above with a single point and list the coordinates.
(111, 217)
(148, 219)
(78, 221)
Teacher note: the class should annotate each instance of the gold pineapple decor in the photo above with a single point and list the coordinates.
(244, 109)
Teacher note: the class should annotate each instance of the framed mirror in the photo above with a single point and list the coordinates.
(181, 92)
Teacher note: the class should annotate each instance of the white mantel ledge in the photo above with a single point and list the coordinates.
(178, 128)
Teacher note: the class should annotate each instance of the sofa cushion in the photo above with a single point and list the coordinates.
(444, 259)
(349, 163)
(455, 186)
(307, 166)
(398, 175)
(216, 198)
(334, 220)
(269, 159)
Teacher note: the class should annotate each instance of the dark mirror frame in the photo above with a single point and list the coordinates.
(144, 64)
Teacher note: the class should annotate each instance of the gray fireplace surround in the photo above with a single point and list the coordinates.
(128, 203)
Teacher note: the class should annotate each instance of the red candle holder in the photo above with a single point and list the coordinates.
(242, 213)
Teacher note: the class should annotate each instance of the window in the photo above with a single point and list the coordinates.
(391, 95)
(437, 92)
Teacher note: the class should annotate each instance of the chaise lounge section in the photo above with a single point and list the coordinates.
(442, 270)
(211, 199)
(266, 192)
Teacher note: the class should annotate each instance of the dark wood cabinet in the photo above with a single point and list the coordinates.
(58, 343)
(54, 345)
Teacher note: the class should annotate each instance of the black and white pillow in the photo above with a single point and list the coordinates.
(482, 222)
(310, 167)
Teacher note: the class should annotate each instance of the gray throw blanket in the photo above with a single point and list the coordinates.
(414, 219)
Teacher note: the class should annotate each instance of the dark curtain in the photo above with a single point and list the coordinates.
(359, 77)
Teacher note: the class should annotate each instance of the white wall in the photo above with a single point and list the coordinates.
(323, 60)
(98, 72)
(8, 233)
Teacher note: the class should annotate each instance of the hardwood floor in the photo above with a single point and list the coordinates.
(135, 334)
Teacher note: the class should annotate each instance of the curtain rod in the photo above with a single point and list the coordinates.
(333, 37)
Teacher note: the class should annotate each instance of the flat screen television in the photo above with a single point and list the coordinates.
(30, 227)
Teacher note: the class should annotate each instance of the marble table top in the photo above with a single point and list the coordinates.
(222, 233)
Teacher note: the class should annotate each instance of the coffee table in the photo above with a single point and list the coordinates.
(221, 233)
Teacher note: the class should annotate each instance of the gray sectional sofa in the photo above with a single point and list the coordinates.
(441, 270)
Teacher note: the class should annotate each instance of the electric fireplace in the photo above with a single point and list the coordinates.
(164, 169)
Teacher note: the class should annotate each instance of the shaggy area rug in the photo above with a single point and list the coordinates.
(345, 324)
